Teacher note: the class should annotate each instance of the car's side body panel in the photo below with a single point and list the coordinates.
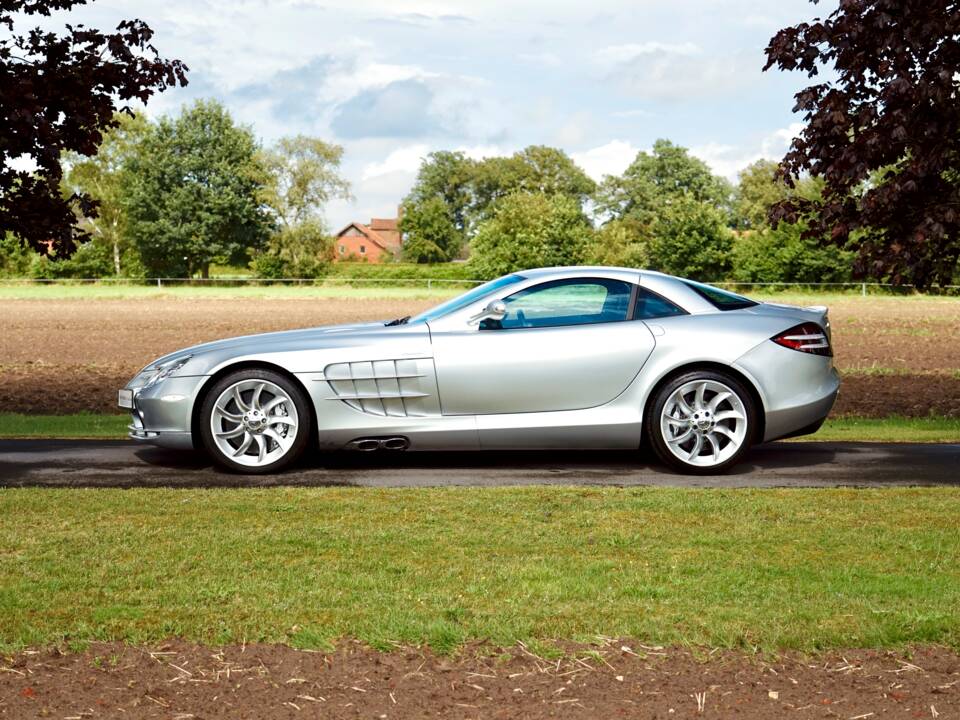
(535, 370)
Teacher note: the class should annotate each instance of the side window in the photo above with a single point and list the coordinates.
(577, 301)
(649, 305)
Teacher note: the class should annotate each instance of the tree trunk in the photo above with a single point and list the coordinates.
(116, 258)
(205, 271)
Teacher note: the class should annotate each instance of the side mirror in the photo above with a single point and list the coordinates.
(495, 310)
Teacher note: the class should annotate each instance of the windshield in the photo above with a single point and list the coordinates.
(468, 297)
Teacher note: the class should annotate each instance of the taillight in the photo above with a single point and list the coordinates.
(808, 337)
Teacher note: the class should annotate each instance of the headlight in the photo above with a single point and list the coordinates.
(162, 372)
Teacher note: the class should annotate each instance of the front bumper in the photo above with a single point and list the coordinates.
(162, 414)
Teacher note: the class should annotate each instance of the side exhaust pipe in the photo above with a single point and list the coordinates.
(371, 444)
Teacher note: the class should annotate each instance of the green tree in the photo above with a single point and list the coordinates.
(530, 230)
(304, 250)
(620, 243)
(304, 176)
(102, 177)
(448, 176)
(430, 231)
(691, 239)
(756, 191)
(653, 178)
(193, 194)
(787, 253)
(444, 177)
(90, 260)
(536, 169)
(15, 257)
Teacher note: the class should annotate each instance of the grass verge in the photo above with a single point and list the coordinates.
(767, 569)
(852, 429)
(78, 426)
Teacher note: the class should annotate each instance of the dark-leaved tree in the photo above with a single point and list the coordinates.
(882, 131)
(59, 92)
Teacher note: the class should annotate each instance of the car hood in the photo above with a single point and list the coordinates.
(314, 337)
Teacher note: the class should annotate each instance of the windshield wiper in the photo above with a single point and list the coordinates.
(399, 321)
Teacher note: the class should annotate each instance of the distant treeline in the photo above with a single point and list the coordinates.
(184, 193)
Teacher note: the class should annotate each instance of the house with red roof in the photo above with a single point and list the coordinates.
(375, 242)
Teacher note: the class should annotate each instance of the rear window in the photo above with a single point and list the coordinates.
(651, 306)
(720, 299)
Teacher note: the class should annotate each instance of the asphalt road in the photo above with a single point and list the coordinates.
(87, 463)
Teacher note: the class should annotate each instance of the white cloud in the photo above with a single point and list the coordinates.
(610, 159)
(574, 130)
(482, 152)
(546, 59)
(728, 160)
(673, 77)
(405, 159)
(619, 54)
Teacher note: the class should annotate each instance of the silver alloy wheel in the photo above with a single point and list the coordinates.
(703, 423)
(254, 422)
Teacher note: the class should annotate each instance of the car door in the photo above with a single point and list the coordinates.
(563, 344)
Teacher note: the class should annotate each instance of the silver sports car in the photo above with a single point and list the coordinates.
(573, 357)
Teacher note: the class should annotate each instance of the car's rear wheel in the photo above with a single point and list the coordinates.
(701, 422)
(255, 421)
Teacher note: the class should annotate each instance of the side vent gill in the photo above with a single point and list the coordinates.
(391, 388)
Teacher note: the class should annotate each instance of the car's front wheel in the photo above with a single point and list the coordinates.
(701, 422)
(255, 421)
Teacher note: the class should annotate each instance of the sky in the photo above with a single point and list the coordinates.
(393, 80)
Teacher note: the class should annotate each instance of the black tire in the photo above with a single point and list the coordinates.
(303, 429)
(654, 432)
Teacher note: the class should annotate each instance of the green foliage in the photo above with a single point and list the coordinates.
(536, 169)
(103, 178)
(782, 255)
(303, 176)
(621, 243)
(756, 192)
(193, 193)
(449, 177)
(764, 254)
(673, 214)
(470, 190)
(89, 260)
(15, 257)
(653, 179)
(531, 230)
(304, 250)
(432, 235)
(691, 239)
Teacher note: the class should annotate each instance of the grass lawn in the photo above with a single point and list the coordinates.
(893, 429)
(767, 569)
(81, 425)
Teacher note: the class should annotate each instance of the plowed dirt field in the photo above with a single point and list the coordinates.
(898, 356)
